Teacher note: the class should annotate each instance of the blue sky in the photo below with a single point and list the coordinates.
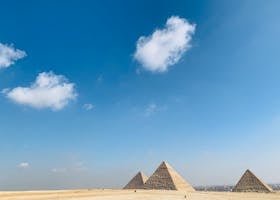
(86, 102)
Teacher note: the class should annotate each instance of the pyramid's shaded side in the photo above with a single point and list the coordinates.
(166, 178)
(250, 183)
(137, 182)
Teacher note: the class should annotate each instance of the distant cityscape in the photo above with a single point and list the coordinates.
(227, 188)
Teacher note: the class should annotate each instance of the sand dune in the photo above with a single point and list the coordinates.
(132, 195)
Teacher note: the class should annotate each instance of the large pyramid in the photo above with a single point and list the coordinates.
(166, 178)
(137, 182)
(250, 183)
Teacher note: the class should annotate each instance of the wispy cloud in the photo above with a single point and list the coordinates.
(88, 106)
(23, 165)
(8, 55)
(80, 166)
(99, 79)
(59, 170)
(5, 90)
(150, 109)
(48, 91)
(153, 108)
(74, 167)
(166, 46)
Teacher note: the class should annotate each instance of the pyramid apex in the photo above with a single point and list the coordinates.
(248, 171)
(141, 173)
(164, 163)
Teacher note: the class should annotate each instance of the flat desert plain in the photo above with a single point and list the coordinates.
(132, 195)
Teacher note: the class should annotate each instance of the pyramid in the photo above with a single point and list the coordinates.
(250, 183)
(166, 178)
(137, 182)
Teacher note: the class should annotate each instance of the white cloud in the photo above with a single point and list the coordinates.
(48, 91)
(165, 46)
(8, 55)
(88, 106)
(23, 165)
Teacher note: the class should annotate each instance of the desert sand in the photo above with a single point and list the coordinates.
(132, 195)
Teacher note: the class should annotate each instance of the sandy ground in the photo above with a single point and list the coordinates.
(132, 195)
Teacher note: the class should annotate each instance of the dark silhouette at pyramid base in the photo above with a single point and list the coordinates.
(250, 183)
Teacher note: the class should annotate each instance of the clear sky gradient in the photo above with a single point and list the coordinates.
(212, 114)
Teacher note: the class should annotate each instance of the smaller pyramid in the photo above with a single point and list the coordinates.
(250, 183)
(137, 182)
(166, 178)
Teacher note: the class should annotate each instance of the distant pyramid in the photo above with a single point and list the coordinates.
(137, 182)
(166, 178)
(250, 183)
